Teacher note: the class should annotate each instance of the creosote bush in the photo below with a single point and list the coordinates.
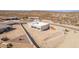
(4, 39)
(66, 30)
(9, 45)
(20, 39)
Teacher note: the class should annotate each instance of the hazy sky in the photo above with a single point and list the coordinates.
(64, 10)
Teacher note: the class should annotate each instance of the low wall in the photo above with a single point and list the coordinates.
(66, 26)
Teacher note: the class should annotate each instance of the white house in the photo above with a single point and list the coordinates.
(40, 25)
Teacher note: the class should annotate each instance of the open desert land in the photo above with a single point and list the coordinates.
(44, 39)
(63, 32)
(55, 37)
(71, 39)
(17, 37)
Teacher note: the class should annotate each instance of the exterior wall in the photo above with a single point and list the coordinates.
(39, 25)
(45, 27)
(41, 28)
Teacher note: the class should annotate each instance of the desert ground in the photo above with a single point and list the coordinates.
(71, 38)
(17, 37)
(64, 35)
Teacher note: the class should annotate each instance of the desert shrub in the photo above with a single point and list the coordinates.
(4, 39)
(20, 39)
(76, 24)
(9, 45)
(66, 30)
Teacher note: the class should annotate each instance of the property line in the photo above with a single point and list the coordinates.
(31, 38)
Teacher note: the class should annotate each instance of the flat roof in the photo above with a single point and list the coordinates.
(39, 23)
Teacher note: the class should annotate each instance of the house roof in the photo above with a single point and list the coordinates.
(3, 26)
(39, 24)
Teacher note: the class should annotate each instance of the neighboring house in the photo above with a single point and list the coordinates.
(7, 25)
(5, 28)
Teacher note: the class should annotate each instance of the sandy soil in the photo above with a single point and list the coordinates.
(17, 34)
(71, 40)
